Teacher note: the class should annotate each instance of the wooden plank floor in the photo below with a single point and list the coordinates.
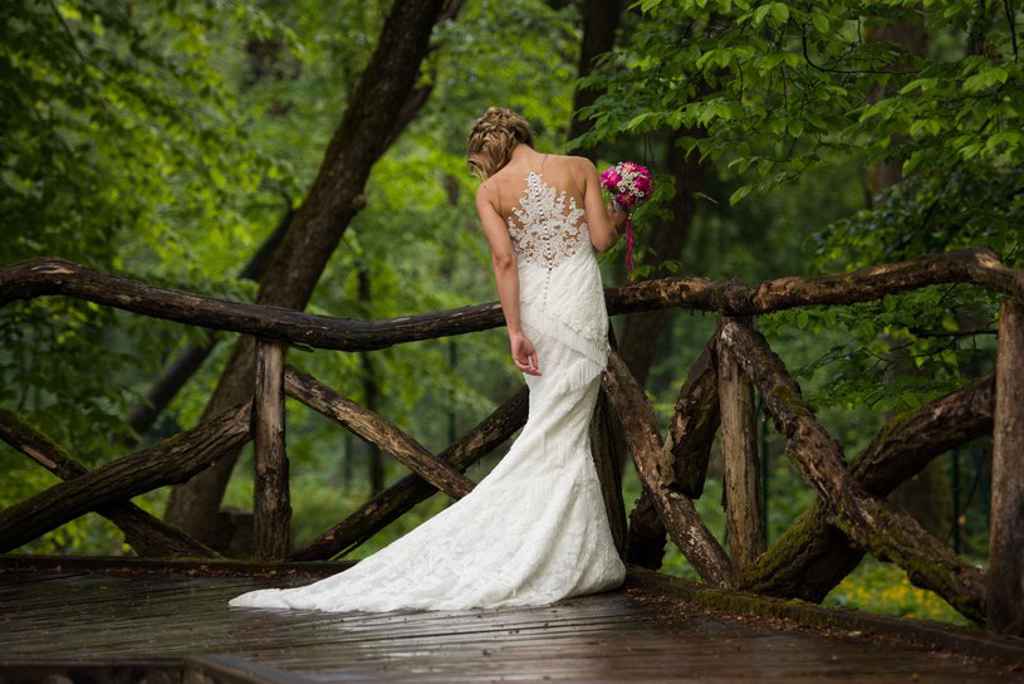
(619, 636)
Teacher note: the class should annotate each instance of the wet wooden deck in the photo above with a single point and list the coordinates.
(81, 619)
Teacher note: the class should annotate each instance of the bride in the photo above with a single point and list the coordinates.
(534, 529)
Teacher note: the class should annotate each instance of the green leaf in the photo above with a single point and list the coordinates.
(739, 194)
(820, 22)
(985, 79)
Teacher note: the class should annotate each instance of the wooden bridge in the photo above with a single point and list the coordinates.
(849, 518)
(101, 620)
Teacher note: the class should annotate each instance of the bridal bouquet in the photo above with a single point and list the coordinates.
(630, 184)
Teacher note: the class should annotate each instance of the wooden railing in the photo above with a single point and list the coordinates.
(826, 542)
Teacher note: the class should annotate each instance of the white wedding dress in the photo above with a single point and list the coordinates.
(534, 530)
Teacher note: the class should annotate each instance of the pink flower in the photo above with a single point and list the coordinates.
(611, 179)
(643, 184)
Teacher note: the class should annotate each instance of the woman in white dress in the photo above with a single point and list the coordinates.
(534, 530)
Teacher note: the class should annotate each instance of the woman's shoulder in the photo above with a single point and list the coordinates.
(575, 161)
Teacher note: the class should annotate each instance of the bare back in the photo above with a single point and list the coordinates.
(559, 171)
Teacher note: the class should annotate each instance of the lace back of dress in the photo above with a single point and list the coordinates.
(547, 226)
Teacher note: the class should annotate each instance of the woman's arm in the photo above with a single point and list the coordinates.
(506, 276)
(603, 222)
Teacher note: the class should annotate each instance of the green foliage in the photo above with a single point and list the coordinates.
(783, 89)
(885, 588)
(124, 148)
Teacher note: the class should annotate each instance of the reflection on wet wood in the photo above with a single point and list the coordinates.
(626, 635)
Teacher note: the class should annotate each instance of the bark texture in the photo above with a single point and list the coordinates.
(272, 510)
(50, 276)
(889, 535)
(695, 421)
(1006, 526)
(691, 434)
(608, 471)
(654, 465)
(146, 534)
(376, 430)
(173, 460)
(812, 557)
(739, 455)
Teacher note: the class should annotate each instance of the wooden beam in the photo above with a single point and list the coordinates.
(739, 454)
(376, 430)
(888, 534)
(691, 434)
(607, 466)
(387, 506)
(653, 461)
(1006, 521)
(645, 541)
(53, 276)
(172, 460)
(812, 556)
(695, 421)
(272, 511)
(146, 534)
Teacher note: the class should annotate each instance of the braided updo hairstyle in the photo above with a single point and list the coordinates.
(493, 137)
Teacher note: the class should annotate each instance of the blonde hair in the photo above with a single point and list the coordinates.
(493, 137)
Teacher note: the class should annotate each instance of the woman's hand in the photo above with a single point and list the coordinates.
(617, 216)
(523, 353)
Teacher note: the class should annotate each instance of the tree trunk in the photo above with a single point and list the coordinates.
(911, 35)
(600, 20)
(641, 331)
(337, 194)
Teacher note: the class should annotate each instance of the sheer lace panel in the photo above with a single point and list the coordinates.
(547, 226)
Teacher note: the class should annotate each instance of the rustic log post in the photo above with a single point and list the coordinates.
(170, 461)
(653, 460)
(272, 511)
(608, 469)
(887, 534)
(739, 454)
(1006, 522)
(695, 420)
(691, 434)
(387, 506)
(645, 541)
(812, 557)
(376, 430)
